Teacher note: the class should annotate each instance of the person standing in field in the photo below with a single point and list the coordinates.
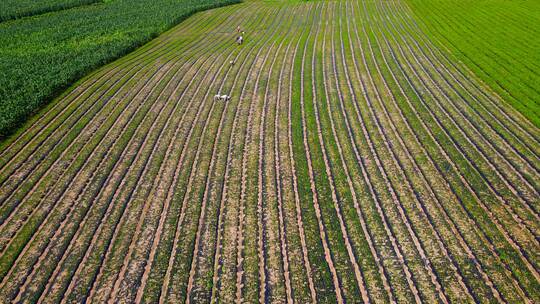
(240, 38)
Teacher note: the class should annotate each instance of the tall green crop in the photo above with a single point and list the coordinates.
(13, 9)
(42, 55)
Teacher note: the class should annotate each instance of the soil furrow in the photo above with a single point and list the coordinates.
(160, 111)
(416, 168)
(387, 226)
(159, 231)
(298, 209)
(122, 220)
(63, 222)
(336, 200)
(358, 158)
(109, 208)
(381, 272)
(433, 138)
(147, 268)
(175, 244)
(406, 217)
(322, 228)
(207, 188)
(51, 213)
(419, 204)
(510, 238)
(241, 219)
(278, 184)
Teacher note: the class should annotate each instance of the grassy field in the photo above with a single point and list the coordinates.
(42, 55)
(356, 161)
(498, 40)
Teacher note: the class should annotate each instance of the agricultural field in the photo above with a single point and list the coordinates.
(63, 40)
(357, 161)
(498, 40)
(13, 9)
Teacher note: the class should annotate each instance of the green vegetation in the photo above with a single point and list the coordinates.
(13, 9)
(355, 160)
(42, 55)
(498, 40)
